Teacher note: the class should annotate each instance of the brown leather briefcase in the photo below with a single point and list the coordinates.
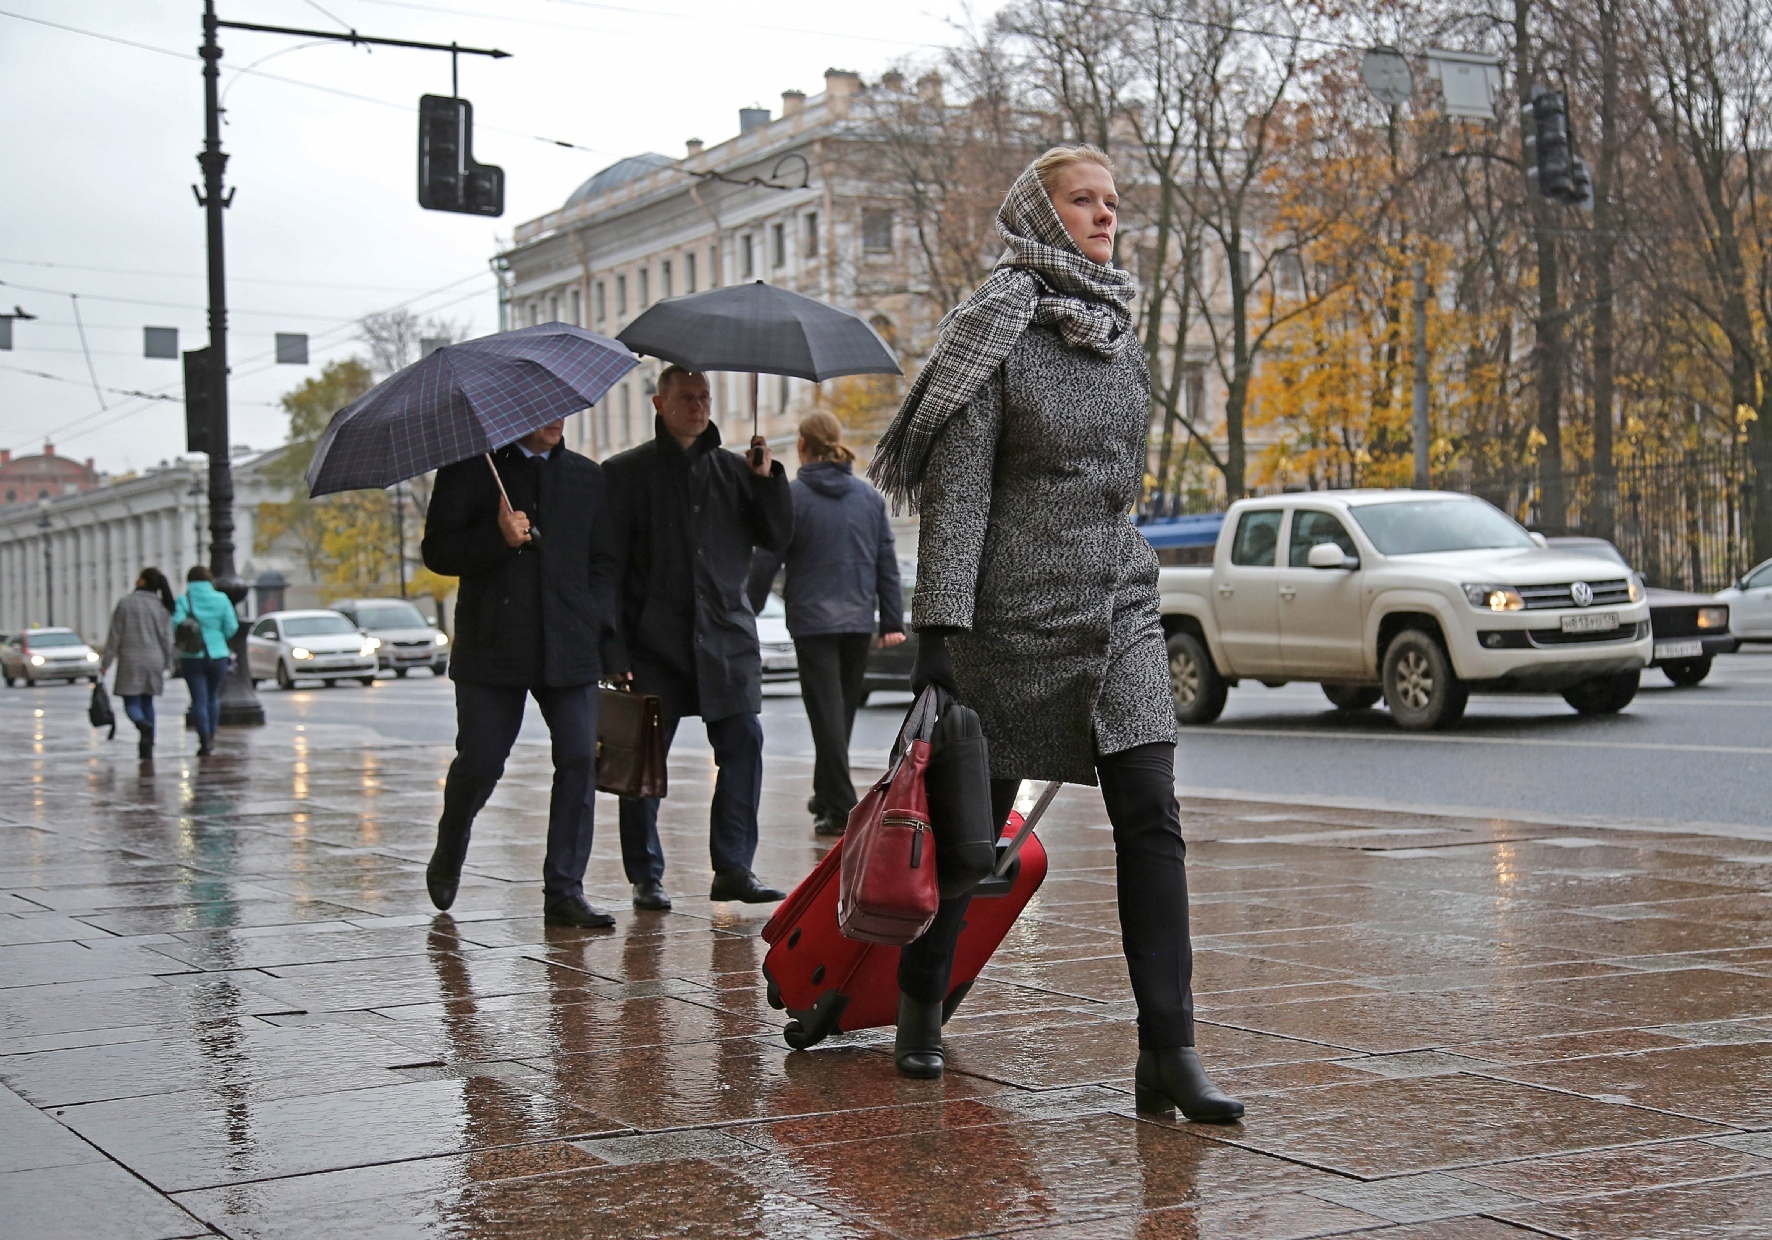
(630, 744)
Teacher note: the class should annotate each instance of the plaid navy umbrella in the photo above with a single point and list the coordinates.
(463, 400)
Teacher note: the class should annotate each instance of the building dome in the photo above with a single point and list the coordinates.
(620, 173)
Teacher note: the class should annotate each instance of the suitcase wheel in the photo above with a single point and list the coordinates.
(796, 1035)
(772, 992)
(812, 1025)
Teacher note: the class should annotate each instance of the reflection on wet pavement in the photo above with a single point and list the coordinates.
(227, 1007)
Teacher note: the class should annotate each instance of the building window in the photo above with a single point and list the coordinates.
(876, 232)
(554, 308)
(664, 278)
(599, 303)
(573, 299)
(779, 240)
(645, 287)
(621, 296)
(603, 441)
(747, 252)
(534, 313)
(689, 272)
(715, 275)
(627, 415)
(812, 234)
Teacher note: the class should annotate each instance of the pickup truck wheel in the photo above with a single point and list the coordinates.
(1198, 689)
(1687, 672)
(1603, 695)
(1353, 697)
(1419, 686)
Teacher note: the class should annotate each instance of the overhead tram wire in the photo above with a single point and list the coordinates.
(197, 275)
(262, 314)
(289, 81)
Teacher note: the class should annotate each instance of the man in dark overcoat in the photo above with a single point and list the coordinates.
(685, 517)
(534, 609)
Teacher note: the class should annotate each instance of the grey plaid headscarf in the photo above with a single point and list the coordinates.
(1042, 278)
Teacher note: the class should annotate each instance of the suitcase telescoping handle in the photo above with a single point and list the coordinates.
(1006, 853)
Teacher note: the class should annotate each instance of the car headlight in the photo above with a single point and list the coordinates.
(92, 656)
(36, 660)
(301, 652)
(368, 648)
(1494, 598)
(442, 639)
(1636, 589)
(1713, 617)
(371, 643)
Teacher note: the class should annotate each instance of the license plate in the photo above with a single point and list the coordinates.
(1595, 622)
(778, 665)
(1679, 650)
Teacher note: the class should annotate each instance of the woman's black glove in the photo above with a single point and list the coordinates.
(933, 667)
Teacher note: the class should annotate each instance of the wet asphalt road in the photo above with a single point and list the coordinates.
(1686, 756)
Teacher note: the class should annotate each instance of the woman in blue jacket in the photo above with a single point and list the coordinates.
(842, 572)
(205, 669)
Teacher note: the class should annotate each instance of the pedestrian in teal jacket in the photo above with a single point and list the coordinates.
(205, 670)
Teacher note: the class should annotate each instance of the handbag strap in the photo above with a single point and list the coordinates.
(919, 725)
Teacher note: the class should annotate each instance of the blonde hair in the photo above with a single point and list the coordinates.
(1056, 160)
(823, 436)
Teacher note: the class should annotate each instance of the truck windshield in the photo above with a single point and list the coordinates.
(1417, 527)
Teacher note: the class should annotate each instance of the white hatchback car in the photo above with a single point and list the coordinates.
(1750, 604)
(309, 645)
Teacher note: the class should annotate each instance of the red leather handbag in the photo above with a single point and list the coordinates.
(887, 889)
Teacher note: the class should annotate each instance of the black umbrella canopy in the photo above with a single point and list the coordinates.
(761, 329)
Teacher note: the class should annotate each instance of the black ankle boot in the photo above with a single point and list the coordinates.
(1172, 1079)
(918, 1045)
(145, 749)
(443, 874)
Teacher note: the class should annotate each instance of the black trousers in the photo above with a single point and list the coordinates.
(732, 814)
(833, 669)
(487, 719)
(1150, 857)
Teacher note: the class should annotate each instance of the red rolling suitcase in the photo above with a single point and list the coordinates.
(830, 984)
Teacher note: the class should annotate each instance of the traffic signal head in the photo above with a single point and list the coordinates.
(1549, 166)
(448, 177)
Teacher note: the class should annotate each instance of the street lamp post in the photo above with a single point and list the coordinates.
(239, 700)
(44, 524)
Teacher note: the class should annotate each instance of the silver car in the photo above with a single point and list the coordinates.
(48, 654)
(407, 639)
(309, 645)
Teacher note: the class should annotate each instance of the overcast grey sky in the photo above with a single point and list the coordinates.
(101, 139)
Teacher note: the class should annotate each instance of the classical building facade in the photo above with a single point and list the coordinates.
(26, 479)
(67, 559)
(652, 227)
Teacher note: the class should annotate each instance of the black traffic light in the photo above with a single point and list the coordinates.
(1547, 148)
(448, 177)
(199, 400)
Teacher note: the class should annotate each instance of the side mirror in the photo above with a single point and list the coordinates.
(1538, 538)
(1329, 555)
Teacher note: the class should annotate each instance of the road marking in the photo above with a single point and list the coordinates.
(1534, 741)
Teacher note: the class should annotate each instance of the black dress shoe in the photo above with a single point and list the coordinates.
(827, 825)
(1172, 1079)
(650, 897)
(575, 911)
(917, 1048)
(443, 873)
(742, 886)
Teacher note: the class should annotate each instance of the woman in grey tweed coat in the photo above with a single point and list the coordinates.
(1022, 445)
(140, 644)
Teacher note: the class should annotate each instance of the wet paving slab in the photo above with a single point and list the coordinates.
(226, 1007)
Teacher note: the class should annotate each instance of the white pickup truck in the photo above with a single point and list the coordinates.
(1416, 597)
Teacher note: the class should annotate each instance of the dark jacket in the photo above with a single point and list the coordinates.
(683, 525)
(842, 563)
(534, 615)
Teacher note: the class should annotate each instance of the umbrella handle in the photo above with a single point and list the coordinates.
(499, 482)
(755, 454)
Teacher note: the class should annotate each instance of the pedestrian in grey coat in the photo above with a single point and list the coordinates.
(1023, 445)
(842, 590)
(140, 644)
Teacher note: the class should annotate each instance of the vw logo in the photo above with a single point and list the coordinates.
(1582, 593)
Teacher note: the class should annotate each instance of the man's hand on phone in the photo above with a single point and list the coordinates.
(759, 458)
(513, 525)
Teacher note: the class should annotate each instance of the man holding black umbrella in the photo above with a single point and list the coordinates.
(527, 534)
(685, 517)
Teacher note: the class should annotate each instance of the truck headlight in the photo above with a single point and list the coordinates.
(367, 648)
(1713, 617)
(301, 652)
(1494, 598)
(1636, 588)
(371, 643)
(442, 639)
(92, 656)
(36, 660)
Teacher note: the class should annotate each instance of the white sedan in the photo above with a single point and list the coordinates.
(309, 645)
(1750, 604)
